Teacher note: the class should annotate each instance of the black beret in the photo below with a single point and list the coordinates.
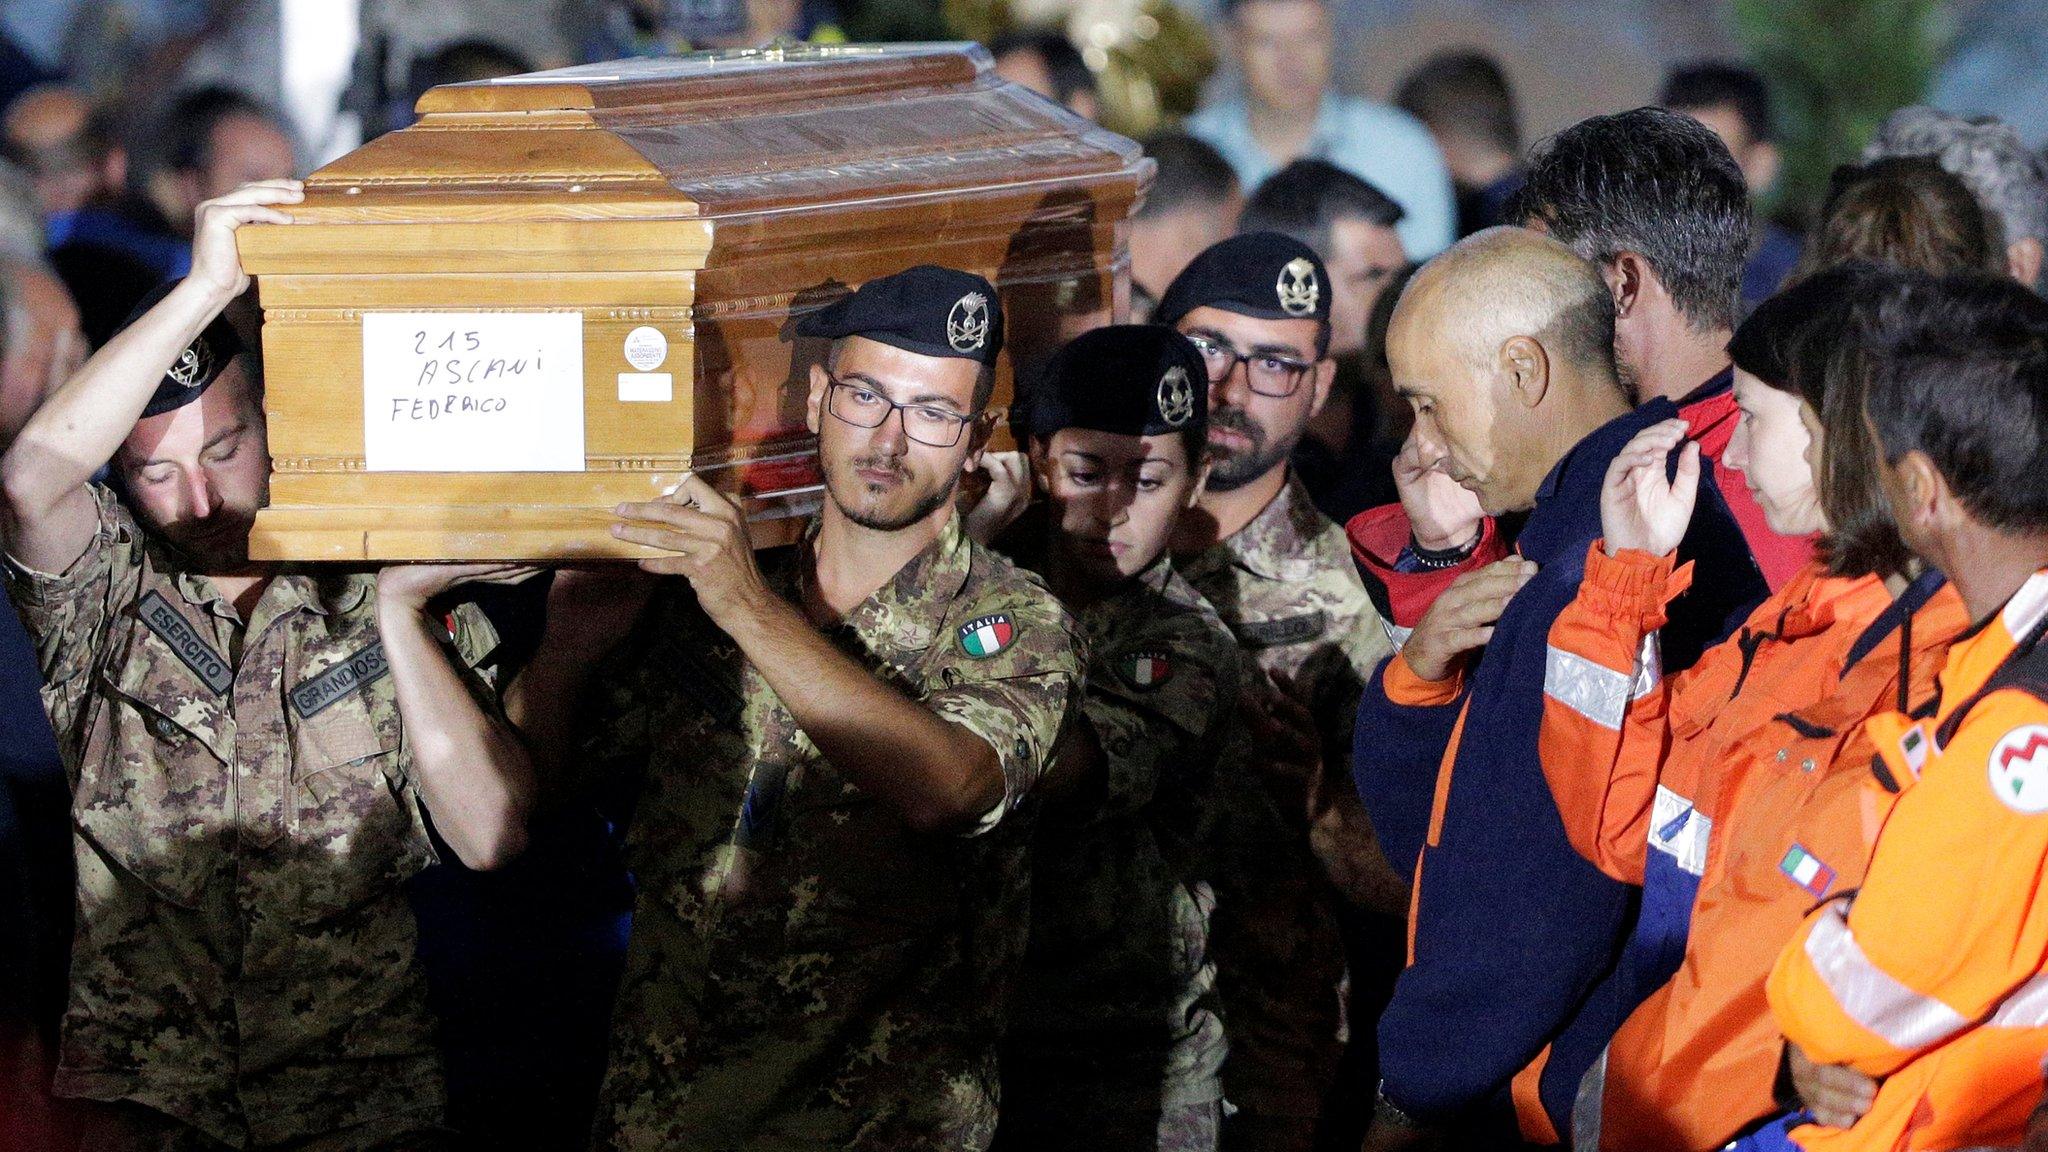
(929, 310)
(1130, 379)
(197, 367)
(1263, 274)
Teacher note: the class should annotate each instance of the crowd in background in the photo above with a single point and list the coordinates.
(112, 141)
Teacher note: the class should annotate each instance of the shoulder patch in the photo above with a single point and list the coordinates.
(1145, 670)
(171, 626)
(2019, 768)
(361, 669)
(1286, 630)
(984, 636)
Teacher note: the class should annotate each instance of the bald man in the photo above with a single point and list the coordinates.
(1503, 346)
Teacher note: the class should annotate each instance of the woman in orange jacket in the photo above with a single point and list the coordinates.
(1732, 793)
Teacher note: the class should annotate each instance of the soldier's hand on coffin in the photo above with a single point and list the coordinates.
(1462, 619)
(708, 536)
(1442, 514)
(1643, 506)
(215, 263)
(413, 585)
(1009, 492)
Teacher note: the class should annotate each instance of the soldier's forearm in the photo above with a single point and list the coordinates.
(77, 430)
(939, 775)
(473, 773)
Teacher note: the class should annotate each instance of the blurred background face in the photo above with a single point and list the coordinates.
(1283, 52)
(1777, 446)
(241, 149)
(1250, 434)
(197, 475)
(1758, 159)
(48, 131)
(40, 342)
(1165, 243)
(1113, 498)
(879, 477)
(1027, 68)
(1362, 257)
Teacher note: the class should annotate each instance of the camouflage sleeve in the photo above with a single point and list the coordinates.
(475, 642)
(67, 615)
(1155, 702)
(1017, 697)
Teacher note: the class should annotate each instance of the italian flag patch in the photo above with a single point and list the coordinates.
(984, 636)
(1805, 869)
(1147, 669)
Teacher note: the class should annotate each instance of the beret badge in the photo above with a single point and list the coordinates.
(1297, 287)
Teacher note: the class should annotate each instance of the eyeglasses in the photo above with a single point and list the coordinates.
(863, 407)
(1267, 373)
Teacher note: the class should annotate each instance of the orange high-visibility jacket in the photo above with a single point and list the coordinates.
(1621, 745)
(1749, 767)
(1931, 976)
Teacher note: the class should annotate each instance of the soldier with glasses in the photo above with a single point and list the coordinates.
(831, 746)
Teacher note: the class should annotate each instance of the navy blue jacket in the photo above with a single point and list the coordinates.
(1516, 935)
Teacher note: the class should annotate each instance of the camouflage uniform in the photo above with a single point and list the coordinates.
(244, 815)
(807, 971)
(1286, 587)
(1115, 1039)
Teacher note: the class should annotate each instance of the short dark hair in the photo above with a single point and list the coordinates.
(1722, 84)
(189, 123)
(1963, 379)
(1583, 332)
(1191, 172)
(1906, 211)
(1466, 93)
(1653, 182)
(462, 62)
(1307, 198)
(1813, 340)
(1063, 62)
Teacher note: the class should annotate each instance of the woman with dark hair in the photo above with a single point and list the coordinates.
(1905, 211)
(1732, 793)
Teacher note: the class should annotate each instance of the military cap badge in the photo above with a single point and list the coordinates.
(1297, 287)
(1176, 397)
(967, 323)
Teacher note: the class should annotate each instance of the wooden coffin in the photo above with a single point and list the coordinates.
(558, 291)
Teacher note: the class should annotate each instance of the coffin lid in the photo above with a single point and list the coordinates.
(716, 134)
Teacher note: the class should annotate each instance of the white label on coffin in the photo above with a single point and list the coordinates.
(646, 387)
(473, 391)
